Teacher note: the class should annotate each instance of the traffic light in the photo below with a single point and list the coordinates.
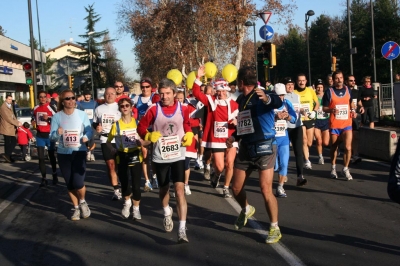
(71, 81)
(27, 67)
(335, 65)
(269, 54)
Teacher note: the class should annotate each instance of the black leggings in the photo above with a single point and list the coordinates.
(165, 171)
(42, 164)
(9, 144)
(296, 137)
(73, 169)
(24, 150)
(135, 172)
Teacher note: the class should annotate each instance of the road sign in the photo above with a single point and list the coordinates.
(390, 50)
(265, 16)
(266, 32)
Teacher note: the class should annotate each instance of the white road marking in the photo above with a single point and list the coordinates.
(13, 196)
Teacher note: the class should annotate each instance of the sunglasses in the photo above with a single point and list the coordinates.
(144, 87)
(119, 86)
(125, 106)
(69, 98)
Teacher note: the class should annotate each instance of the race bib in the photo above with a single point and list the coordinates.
(129, 138)
(170, 147)
(71, 138)
(355, 103)
(320, 113)
(40, 120)
(89, 113)
(280, 128)
(244, 123)
(220, 129)
(106, 122)
(296, 109)
(305, 107)
(343, 111)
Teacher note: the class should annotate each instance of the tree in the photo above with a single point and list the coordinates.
(114, 68)
(96, 48)
(2, 31)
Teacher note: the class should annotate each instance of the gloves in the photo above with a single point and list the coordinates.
(187, 139)
(312, 115)
(153, 136)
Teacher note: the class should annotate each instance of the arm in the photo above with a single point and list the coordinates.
(146, 121)
(88, 132)
(292, 113)
(54, 133)
(315, 99)
(271, 101)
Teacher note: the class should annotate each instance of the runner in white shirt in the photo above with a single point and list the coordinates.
(104, 116)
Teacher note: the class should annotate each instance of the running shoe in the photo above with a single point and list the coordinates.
(280, 192)
(126, 210)
(76, 216)
(274, 235)
(321, 160)
(168, 223)
(182, 237)
(214, 180)
(92, 157)
(155, 181)
(301, 181)
(117, 195)
(187, 190)
(346, 173)
(199, 165)
(88, 156)
(226, 192)
(85, 211)
(242, 218)
(307, 165)
(333, 174)
(136, 214)
(147, 186)
(55, 179)
(43, 183)
(207, 173)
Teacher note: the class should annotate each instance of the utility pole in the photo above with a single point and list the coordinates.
(32, 51)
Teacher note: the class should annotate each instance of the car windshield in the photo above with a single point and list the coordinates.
(23, 112)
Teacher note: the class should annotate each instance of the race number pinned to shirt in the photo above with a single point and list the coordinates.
(89, 113)
(170, 147)
(220, 129)
(305, 107)
(280, 128)
(71, 138)
(320, 113)
(244, 123)
(343, 111)
(106, 121)
(40, 121)
(129, 138)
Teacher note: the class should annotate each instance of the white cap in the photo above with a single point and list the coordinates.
(280, 89)
(221, 85)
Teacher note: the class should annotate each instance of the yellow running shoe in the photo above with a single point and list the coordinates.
(274, 235)
(242, 218)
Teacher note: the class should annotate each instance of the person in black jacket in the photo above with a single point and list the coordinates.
(366, 95)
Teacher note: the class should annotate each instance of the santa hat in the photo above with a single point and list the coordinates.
(221, 85)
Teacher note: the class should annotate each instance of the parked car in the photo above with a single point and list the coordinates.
(24, 114)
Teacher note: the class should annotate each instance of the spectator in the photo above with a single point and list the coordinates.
(24, 136)
(8, 123)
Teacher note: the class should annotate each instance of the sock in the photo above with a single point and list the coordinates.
(76, 207)
(201, 157)
(275, 225)
(280, 185)
(186, 184)
(128, 202)
(115, 187)
(81, 201)
(182, 225)
(227, 187)
(320, 155)
(88, 153)
(345, 168)
(136, 208)
(167, 211)
(333, 166)
(246, 209)
(208, 166)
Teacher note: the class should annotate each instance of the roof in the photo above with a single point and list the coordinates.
(66, 44)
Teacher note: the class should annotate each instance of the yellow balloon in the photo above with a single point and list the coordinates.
(175, 75)
(229, 72)
(190, 79)
(210, 70)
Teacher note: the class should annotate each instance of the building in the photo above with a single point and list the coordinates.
(12, 77)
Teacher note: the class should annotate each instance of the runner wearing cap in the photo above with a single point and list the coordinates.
(321, 132)
(54, 101)
(220, 125)
(104, 116)
(88, 105)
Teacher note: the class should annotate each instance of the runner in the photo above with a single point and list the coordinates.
(255, 131)
(104, 116)
(71, 128)
(41, 119)
(338, 102)
(220, 125)
(171, 127)
(321, 132)
(283, 115)
(88, 105)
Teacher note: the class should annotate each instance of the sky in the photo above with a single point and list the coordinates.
(62, 20)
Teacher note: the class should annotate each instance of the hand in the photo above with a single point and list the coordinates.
(362, 110)
(229, 142)
(84, 140)
(99, 129)
(153, 136)
(353, 114)
(312, 115)
(302, 111)
(233, 122)
(33, 124)
(187, 139)
(334, 111)
(201, 71)
(45, 117)
(60, 131)
(262, 96)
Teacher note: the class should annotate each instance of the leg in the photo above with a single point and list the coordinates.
(229, 160)
(347, 139)
(318, 138)
(296, 136)
(238, 182)
(305, 144)
(266, 179)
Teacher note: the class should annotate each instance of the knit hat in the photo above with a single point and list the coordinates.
(221, 85)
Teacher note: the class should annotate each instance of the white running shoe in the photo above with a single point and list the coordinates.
(92, 157)
(321, 160)
(126, 210)
(226, 192)
(307, 165)
(346, 173)
(117, 194)
(88, 156)
(333, 174)
(136, 214)
(187, 190)
(280, 192)
(147, 186)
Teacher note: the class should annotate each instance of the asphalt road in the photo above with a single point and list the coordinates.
(326, 222)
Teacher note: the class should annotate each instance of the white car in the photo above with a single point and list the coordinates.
(24, 114)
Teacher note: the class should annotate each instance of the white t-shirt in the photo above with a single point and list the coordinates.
(106, 114)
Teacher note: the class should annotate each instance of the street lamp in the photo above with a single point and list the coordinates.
(90, 62)
(308, 15)
(249, 24)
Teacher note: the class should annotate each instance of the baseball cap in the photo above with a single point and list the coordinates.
(318, 82)
(288, 80)
(280, 89)
(54, 95)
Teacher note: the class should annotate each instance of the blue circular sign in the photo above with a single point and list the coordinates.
(266, 32)
(390, 50)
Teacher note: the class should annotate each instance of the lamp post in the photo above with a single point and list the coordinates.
(308, 15)
(249, 24)
(90, 62)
